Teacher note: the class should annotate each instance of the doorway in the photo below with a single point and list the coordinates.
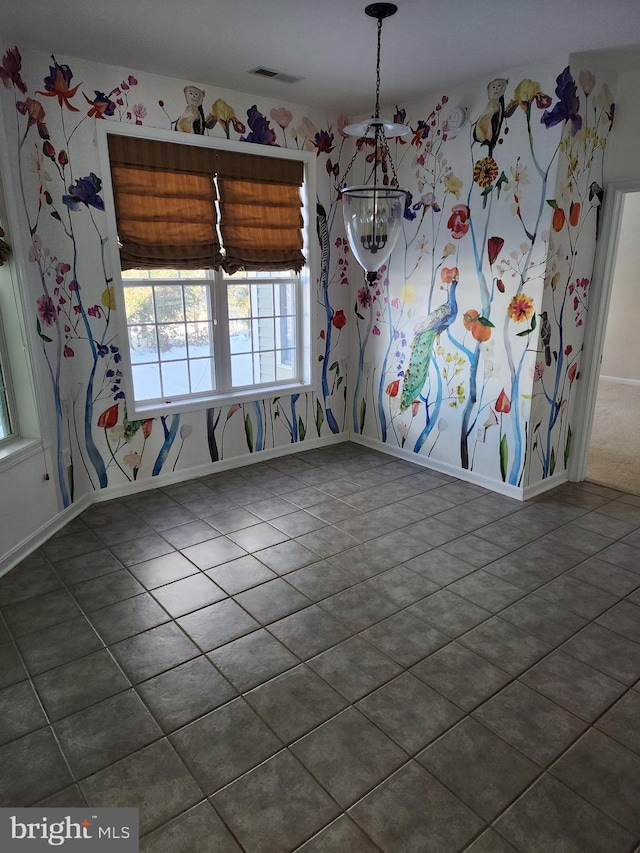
(609, 451)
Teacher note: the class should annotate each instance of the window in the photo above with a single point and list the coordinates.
(6, 419)
(205, 229)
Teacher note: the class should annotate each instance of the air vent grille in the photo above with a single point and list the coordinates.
(272, 74)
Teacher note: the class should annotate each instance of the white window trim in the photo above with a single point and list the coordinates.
(307, 333)
(8, 388)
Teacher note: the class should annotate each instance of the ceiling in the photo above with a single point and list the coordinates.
(427, 47)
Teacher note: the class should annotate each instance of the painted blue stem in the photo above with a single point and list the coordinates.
(259, 443)
(169, 437)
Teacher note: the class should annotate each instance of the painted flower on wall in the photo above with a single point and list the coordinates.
(568, 106)
(57, 85)
(339, 319)
(46, 310)
(101, 105)
(10, 70)
(85, 192)
(224, 113)
(485, 172)
(35, 111)
(261, 130)
(520, 308)
(458, 222)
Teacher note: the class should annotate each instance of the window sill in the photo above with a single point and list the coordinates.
(142, 410)
(17, 450)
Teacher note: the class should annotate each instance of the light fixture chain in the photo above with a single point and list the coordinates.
(378, 69)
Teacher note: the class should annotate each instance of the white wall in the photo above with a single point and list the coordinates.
(621, 355)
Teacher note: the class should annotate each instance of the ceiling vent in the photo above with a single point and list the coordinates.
(272, 74)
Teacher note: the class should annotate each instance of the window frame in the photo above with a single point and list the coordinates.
(6, 385)
(305, 314)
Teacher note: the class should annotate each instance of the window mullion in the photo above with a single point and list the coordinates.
(221, 332)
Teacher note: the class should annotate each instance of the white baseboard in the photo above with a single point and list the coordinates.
(441, 467)
(545, 485)
(618, 380)
(40, 536)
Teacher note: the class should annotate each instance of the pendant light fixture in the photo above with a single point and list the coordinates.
(373, 212)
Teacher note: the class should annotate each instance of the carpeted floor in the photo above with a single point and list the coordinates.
(614, 453)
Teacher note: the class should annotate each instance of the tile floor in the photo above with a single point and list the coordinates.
(333, 652)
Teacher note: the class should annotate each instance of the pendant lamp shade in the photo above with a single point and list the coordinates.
(373, 212)
(373, 219)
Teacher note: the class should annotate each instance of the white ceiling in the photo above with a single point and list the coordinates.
(427, 47)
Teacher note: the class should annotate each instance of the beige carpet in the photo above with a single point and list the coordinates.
(614, 453)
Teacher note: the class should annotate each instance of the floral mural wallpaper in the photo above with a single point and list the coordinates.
(464, 353)
(468, 346)
(55, 110)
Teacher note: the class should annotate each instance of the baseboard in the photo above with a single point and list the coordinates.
(618, 380)
(31, 543)
(441, 467)
(40, 536)
(545, 485)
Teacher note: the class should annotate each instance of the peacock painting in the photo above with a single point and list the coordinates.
(425, 335)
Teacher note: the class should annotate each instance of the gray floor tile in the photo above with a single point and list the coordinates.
(108, 589)
(126, 618)
(240, 574)
(11, 668)
(199, 829)
(33, 576)
(577, 687)
(232, 520)
(258, 536)
(310, 631)
(404, 638)
(326, 542)
(97, 736)
(543, 619)
(69, 798)
(217, 624)
(154, 780)
(551, 817)
(577, 596)
(252, 660)
(412, 806)
(286, 556)
(409, 712)
(163, 569)
(490, 842)
(449, 613)
(87, 566)
(214, 552)
(40, 612)
(31, 768)
(139, 550)
(472, 549)
(624, 619)
(20, 711)
(487, 591)
(606, 576)
(224, 744)
(622, 721)
(607, 651)
(539, 728)
(272, 601)
(275, 807)
(348, 756)
(65, 545)
(191, 533)
(606, 774)
(79, 684)
(621, 555)
(154, 651)
(182, 694)
(297, 523)
(57, 645)
(295, 702)
(462, 676)
(440, 567)
(342, 835)
(320, 580)
(359, 607)
(354, 668)
(189, 594)
(271, 508)
(402, 585)
(505, 645)
(479, 767)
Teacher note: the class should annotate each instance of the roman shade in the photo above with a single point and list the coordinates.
(165, 195)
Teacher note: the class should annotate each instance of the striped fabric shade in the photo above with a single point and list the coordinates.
(165, 196)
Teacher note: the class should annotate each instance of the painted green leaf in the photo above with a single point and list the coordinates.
(484, 321)
(552, 461)
(552, 203)
(340, 379)
(43, 336)
(363, 413)
(248, 431)
(504, 458)
(524, 334)
(534, 322)
(319, 417)
(302, 430)
(334, 366)
(567, 447)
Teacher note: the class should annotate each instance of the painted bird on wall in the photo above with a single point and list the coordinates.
(422, 346)
(487, 128)
(545, 336)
